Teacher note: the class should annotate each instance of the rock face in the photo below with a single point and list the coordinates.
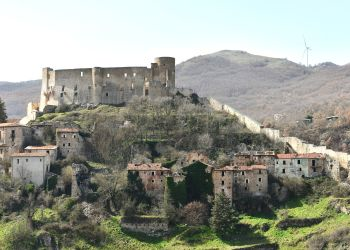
(47, 241)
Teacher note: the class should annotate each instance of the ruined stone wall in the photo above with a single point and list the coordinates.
(251, 182)
(223, 183)
(12, 139)
(340, 159)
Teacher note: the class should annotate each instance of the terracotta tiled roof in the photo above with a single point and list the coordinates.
(67, 130)
(45, 147)
(242, 168)
(300, 156)
(36, 154)
(10, 124)
(146, 166)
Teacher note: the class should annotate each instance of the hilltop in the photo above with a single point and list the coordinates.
(262, 86)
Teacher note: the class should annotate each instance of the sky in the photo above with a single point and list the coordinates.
(86, 33)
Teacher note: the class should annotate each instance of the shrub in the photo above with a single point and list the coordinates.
(19, 236)
(195, 213)
(341, 191)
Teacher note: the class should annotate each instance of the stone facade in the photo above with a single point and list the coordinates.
(50, 150)
(266, 158)
(107, 85)
(241, 181)
(30, 167)
(152, 175)
(12, 139)
(300, 165)
(69, 141)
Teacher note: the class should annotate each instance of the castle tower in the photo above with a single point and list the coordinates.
(163, 70)
(97, 84)
(44, 88)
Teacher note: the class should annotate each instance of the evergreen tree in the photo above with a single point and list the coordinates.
(3, 115)
(224, 217)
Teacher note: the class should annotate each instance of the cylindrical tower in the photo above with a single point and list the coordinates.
(166, 69)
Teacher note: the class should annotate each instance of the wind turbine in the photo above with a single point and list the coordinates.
(307, 49)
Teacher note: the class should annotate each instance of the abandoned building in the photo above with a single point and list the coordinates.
(300, 165)
(12, 138)
(69, 141)
(30, 167)
(152, 175)
(107, 85)
(51, 150)
(266, 158)
(239, 181)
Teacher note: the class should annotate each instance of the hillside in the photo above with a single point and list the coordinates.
(262, 86)
(17, 95)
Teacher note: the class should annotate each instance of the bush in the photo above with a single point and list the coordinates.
(195, 213)
(19, 236)
(341, 191)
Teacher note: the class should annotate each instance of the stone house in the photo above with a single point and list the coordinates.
(69, 141)
(241, 181)
(266, 158)
(152, 175)
(300, 165)
(30, 167)
(51, 150)
(13, 136)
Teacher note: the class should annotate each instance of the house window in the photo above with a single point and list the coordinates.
(26, 160)
(313, 162)
(61, 95)
(76, 94)
(64, 136)
(331, 166)
(242, 172)
(0, 151)
(222, 173)
(132, 86)
(298, 161)
(284, 162)
(235, 181)
(245, 188)
(260, 180)
(41, 160)
(161, 172)
(276, 162)
(222, 190)
(299, 169)
(259, 171)
(69, 144)
(63, 88)
(246, 181)
(17, 161)
(152, 173)
(284, 171)
(153, 181)
(74, 136)
(106, 94)
(222, 183)
(314, 170)
(64, 144)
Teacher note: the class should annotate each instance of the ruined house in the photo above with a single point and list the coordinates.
(106, 85)
(300, 165)
(69, 141)
(266, 158)
(241, 181)
(30, 167)
(152, 175)
(13, 137)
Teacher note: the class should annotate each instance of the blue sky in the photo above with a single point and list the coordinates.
(77, 33)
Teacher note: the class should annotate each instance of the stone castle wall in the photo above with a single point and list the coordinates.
(106, 85)
(335, 159)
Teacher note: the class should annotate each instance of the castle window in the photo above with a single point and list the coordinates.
(222, 183)
(26, 160)
(106, 94)
(75, 88)
(134, 74)
(17, 161)
(41, 160)
(81, 73)
(132, 86)
(125, 75)
(108, 75)
(260, 180)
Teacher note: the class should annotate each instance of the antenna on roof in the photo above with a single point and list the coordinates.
(307, 49)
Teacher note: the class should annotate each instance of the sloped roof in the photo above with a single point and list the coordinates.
(67, 130)
(45, 147)
(146, 167)
(26, 154)
(242, 168)
(300, 156)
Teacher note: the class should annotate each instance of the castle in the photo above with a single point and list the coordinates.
(106, 85)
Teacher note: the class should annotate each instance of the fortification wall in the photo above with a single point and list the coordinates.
(336, 158)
